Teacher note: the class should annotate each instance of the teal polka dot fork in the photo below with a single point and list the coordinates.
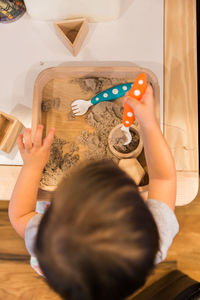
(80, 107)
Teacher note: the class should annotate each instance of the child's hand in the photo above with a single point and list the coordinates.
(145, 108)
(35, 154)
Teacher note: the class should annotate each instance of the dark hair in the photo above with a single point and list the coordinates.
(98, 239)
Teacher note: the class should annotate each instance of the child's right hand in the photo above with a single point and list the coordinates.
(35, 153)
(144, 109)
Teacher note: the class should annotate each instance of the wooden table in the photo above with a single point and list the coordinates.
(180, 94)
(180, 100)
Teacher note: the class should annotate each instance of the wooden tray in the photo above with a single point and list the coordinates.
(63, 83)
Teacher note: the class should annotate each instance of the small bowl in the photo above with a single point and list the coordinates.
(135, 153)
(143, 189)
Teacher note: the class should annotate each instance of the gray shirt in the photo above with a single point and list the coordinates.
(164, 217)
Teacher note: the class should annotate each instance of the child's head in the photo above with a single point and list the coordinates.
(97, 240)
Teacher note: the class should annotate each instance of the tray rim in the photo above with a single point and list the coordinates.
(50, 73)
(55, 72)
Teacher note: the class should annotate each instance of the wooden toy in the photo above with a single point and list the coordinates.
(10, 127)
(135, 153)
(133, 168)
(72, 33)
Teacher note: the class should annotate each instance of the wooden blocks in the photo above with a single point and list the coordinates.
(133, 168)
(72, 33)
(10, 128)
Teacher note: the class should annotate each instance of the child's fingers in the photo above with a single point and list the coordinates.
(49, 139)
(134, 103)
(20, 143)
(37, 142)
(149, 90)
(125, 98)
(27, 138)
(148, 95)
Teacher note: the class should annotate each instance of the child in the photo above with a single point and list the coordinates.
(98, 240)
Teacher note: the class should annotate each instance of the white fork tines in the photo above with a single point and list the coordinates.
(80, 107)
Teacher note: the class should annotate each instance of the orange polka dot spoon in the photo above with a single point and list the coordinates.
(137, 91)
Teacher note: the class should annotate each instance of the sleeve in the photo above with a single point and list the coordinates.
(31, 232)
(167, 225)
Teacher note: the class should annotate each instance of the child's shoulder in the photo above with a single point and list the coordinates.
(167, 225)
(31, 232)
(33, 224)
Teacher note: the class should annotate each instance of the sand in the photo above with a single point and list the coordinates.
(119, 138)
(48, 104)
(97, 84)
(59, 163)
(71, 116)
(103, 117)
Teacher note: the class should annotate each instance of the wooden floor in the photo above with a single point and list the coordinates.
(19, 281)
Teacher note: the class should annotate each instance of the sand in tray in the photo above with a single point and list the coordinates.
(103, 117)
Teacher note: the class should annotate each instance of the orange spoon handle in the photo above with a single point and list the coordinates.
(137, 91)
(128, 115)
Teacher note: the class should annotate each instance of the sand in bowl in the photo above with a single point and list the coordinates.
(119, 137)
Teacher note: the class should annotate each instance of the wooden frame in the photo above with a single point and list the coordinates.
(180, 94)
(72, 33)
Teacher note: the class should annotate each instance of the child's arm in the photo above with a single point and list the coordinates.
(35, 156)
(161, 166)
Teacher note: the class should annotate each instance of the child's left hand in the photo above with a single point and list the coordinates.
(35, 154)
